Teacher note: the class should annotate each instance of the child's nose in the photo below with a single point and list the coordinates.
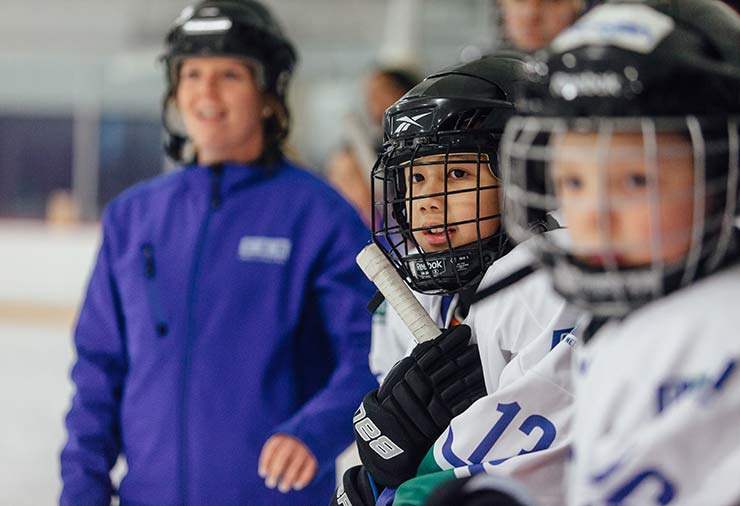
(429, 204)
(432, 199)
(602, 221)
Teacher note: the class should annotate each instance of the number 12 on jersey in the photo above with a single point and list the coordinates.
(508, 413)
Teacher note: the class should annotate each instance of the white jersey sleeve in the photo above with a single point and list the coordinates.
(658, 403)
(522, 428)
(525, 320)
(392, 340)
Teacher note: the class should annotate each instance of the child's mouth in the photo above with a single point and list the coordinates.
(605, 259)
(436, 236)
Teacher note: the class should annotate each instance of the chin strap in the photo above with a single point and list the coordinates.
(546, 224)
(503, 283)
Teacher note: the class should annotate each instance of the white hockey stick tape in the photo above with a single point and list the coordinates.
(380, 271)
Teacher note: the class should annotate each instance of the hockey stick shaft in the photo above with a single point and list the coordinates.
(381, 272)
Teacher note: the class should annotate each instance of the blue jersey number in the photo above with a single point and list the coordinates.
(666, 488)
(508, 412)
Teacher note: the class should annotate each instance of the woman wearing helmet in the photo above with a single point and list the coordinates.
(224, 336)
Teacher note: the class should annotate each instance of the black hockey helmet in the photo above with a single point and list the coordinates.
(684, 60)
(454, 118)
(241, 28)
(646, 69)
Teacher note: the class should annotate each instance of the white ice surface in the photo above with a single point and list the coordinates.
(42, 271)
(34, 396)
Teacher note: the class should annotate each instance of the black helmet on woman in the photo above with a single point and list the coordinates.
(240, 28)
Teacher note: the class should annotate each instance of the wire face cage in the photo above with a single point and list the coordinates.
(437, 184)
(649, 204)
(438, 213)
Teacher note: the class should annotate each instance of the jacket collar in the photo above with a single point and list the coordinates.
(233, 176)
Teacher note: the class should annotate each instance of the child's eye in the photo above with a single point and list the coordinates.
(636, 181)
(457, 173)
(570, 183)
(233, 74)
(417, 178)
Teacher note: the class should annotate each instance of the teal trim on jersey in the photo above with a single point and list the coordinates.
(428, 464)
(416, 490)
(380, 311)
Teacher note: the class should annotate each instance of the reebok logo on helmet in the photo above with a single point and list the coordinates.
(586, 84)
(405, 123)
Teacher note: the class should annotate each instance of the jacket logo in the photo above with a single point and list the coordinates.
(404, 123)
(274, 250)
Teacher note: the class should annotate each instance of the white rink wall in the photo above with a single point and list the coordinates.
(43, 272)
(45, 264)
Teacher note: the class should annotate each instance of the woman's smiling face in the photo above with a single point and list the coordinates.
(221, 106)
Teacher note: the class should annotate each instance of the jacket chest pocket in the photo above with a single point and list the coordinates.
(149, 266)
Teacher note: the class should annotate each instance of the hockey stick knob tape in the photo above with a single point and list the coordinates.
(381, 272)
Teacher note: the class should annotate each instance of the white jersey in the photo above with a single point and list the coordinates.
(392, 340)
(658, 407)
(522, 428)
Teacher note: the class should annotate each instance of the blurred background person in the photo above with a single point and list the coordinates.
(529, 25)
(224, 338)
(349, 169)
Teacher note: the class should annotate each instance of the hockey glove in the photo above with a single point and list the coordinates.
(396, 425)
(356, 489)
(480, 490)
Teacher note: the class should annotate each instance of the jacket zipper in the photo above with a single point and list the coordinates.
(215, 173)
(150, 273)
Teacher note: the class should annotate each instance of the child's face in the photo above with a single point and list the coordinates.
(616, 214)
(430, 211)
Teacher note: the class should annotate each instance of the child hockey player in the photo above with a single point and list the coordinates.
(442, 179)
(638, 132)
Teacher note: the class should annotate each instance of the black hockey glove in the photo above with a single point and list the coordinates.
(480, 490)
(397, 424)
(355, 489)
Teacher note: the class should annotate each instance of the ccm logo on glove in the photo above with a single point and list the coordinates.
(368, 431)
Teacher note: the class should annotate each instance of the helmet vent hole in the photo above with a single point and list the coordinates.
(470, 119)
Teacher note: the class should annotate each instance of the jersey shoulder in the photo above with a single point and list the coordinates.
(527, 307)
(697, 316)
(676, 346)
